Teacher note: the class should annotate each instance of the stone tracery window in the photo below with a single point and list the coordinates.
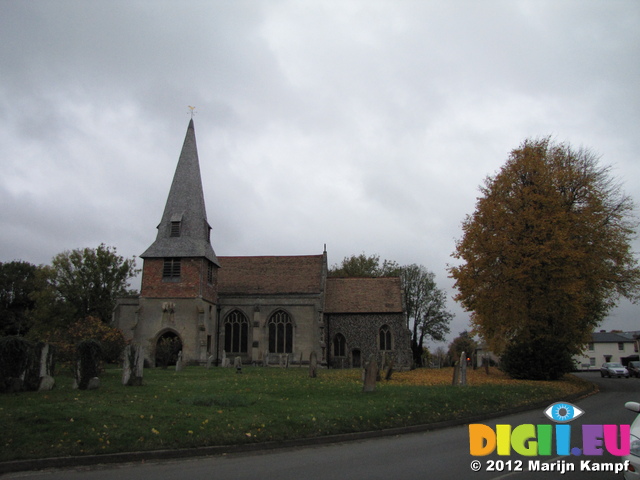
(339, 345)
(385, 338)
(236, 332)
(280, 333)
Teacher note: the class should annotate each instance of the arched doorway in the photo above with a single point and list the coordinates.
(167, 348)
(355, 358)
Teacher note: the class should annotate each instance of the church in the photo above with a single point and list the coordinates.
(264, 309)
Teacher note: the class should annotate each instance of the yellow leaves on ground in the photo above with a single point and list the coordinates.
(444, 376)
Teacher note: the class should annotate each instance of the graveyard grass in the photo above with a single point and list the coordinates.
(203, 407)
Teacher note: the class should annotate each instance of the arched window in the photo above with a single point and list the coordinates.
(339, 345)
(236, 328)
(385, 338)
(280, 333)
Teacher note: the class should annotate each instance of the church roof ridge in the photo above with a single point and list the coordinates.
(273, 256)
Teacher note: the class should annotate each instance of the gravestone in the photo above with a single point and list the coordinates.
(133, 365)
(313, 365)
(265, 359)
(46, 360)
(389, 369)
(46, 380)
(179, 364)
(94, 383)
(225, 361)
(370, 374)
(126, 365)
(237, 363)
(456, 376)
(463, 368)
(210, 361)
(88, 353)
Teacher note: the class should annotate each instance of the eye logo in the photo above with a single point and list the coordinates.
(563, 412)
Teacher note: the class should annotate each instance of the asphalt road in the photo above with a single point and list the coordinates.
(442, 454)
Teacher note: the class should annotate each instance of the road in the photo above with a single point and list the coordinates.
(442, 454)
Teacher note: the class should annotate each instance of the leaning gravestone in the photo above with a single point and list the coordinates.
(46, 360)
(463, 368)
(370, 374)
(456, 375)
(133, 366)
(46, 381)
(389, 371)
(225, 361)
(313, 365)
(179, 364)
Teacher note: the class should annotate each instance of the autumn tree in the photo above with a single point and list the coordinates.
(364, 265)
(66, 338)
(546, 254)
(84, 283)
(425, 303)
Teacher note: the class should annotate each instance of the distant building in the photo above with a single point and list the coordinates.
(608, 347)
(259, 308)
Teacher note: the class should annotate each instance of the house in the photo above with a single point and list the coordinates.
(261, 308)
(607, 347)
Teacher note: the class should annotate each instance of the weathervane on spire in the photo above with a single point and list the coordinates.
(193, 112)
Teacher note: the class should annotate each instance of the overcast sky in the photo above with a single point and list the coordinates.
(366, 126)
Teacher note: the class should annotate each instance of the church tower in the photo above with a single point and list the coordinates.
(181, 262)
(180, 271)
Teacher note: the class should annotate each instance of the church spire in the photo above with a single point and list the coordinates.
(184, 229)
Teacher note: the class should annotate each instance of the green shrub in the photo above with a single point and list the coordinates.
(17, 356)
(167, 351)
(536, 359)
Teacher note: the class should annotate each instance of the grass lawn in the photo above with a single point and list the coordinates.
(200, 407)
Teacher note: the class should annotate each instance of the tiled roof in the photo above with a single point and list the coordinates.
(610, 337)
(270, 275)
(363, 295)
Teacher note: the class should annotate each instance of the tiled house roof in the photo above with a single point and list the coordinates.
(363, 295)
(610, 337)
(270, 275)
